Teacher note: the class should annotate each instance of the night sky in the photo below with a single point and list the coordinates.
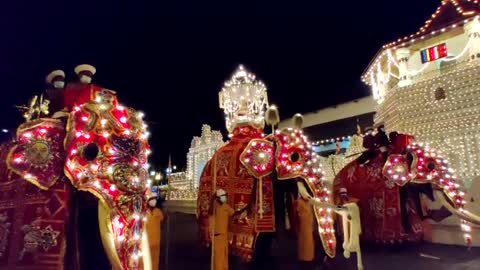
(170, 58)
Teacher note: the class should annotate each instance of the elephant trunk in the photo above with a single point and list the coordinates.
(462, 214)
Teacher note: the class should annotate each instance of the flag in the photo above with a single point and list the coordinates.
(434, 53)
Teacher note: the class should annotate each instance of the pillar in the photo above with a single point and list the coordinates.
(472, 31)
(403, 54)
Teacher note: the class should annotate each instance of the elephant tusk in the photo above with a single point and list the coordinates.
(106, 233)
(351, 222)
(315, 201)
(465, 215)
(147, 258)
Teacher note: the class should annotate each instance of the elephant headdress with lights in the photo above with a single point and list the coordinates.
(388, 190)
(102, 150)
(260, 171)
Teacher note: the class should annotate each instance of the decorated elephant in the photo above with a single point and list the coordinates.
(387, 183)
(259, 172)
(102, 151)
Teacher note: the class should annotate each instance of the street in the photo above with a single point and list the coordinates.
(183, 252)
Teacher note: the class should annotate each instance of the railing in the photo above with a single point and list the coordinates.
(448, 67)
(424, 77)
(182, 195)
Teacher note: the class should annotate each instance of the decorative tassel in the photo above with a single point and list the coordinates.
(272, 117)
(260, 196)
(298, 121)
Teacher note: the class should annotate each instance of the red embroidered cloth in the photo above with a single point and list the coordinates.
(78, 94)
(32, 221)
(379, 202)
(234, 178)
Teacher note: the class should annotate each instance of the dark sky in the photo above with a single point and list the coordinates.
(170, 58)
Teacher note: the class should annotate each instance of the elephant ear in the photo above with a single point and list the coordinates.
(396, 170)
(429, 166)
(38, 155)
(259, 157)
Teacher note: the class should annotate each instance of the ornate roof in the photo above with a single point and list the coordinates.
(243, 99)
(448, 13)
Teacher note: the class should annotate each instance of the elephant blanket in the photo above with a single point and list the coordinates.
(380, 202)
(34, 213)
(225, 171)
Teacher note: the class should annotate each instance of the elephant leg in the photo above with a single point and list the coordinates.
(403, 208)
(72, 260)
(262, 252)
(92, 253)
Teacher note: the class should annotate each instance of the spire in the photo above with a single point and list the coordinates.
(359, 128)
(169, 167)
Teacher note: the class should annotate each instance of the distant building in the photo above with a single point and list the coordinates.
(178, 180)
(338, 123)
(334, 132)
(201, 150)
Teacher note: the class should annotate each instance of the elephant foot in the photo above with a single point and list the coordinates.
(303, 265)
(327, 264)
(265, 263)
(438, 215)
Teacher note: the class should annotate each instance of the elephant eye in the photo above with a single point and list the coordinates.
(431, 166)
(295, 156)
(409, 158)
(90, 152)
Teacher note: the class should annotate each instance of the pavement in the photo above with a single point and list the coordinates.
(181, 250)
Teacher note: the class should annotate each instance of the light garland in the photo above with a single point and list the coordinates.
(429, 166)
(451, 124)
(382, 80)
(108, 156)
(337, 139)
(293, 158)
(37, 155)
(386, 49)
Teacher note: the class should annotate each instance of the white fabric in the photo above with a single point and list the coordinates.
(351, 223)
(352, 229)
(85, 79)
(59, 84)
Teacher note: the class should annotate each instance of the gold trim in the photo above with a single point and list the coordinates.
(247, 165)
(23, 128)
(385, 170)
(333, 252)
(106, 234)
